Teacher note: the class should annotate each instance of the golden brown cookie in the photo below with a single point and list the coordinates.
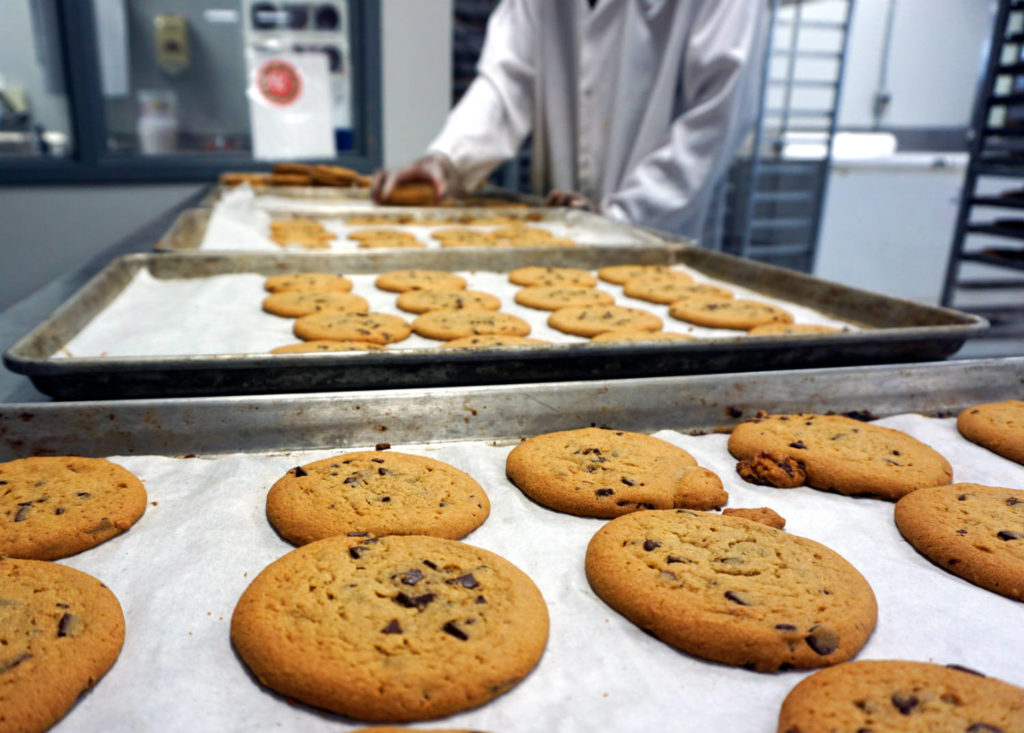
(910, 697)
(536, 275)
(762, 515)
(55, 506)
(718, 312)
(399, 281)
(463, 237)
(553, 297)
(452, 324)
(333, 175)
(791, 329)
(590, 320)
(620, 274)
(973, 531)
(61, 630)
(631, 334)
(290, 179)
(375, 492)
(372, 220)
(845, 455)
(998, 426)
(670, 290)
(392, 243)
(398, 628)
(295, 303)
(308, 347)
(413, 193)
(308, 281)
(292, 168)
(731, 590)
(376, 233)
(487, 341)
(593, 472)
(378, 328)
(421, 301)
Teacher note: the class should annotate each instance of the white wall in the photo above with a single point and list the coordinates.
(416, 50)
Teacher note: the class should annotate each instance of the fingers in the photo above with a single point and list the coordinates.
(377, 186)
(570, 199)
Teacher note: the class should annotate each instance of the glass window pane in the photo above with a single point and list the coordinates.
(34, 117)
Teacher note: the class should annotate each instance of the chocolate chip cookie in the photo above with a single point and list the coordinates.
(590, 320)
(998, 426)
(296, 303)
(553, 297)
(309, 281)
(453, 324)
(422, 301)
(536, 275)
(377, 328)
(399, 281)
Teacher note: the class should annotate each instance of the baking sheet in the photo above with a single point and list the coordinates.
(180, 570)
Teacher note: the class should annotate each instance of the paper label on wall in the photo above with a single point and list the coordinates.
(290, 107)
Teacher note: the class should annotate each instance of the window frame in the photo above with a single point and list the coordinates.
(91, 162)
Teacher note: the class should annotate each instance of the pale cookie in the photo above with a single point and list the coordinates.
(998, 426)
(308, 281)
(620, 274)
(390, 629)
(593, 472)
(487, 341)
(398, 281)
(845, 455)
(392, 243)
(370, 220)
(453, 324)
(302, 240)
(523, 236)
(375, 492)
(323, 345)
(670, 290)
(463, 236)
(52, 507)
(590, 320)
(538, 242)
(378, 328)
(295, 303)
(731, 590)
(791, 329)
(503, 222)
(630, 334)
(716, 312)
(61, 630)
(535, 275)
(904, 697)
(421, 301)
(374, 233)
(973, 531)
(553, 297)
(761, 515)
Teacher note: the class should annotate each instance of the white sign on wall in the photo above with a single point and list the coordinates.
(290, 106)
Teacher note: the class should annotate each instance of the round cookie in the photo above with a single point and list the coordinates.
(448, 325)
(893, 695)
(998, 426)
(592, 472)
(486, 341)
(413, 193)
(845, 455)
(289, 167)
(762, 515)
(535, 275)
(399, 281)
(731, 590)
(333, 175)
(716, 312)
(540, 242)
(791, 329)
(368, 220)
(391, 243)
(52, 507)
(303, 240)
(308, 281)
(307, 347)
(463, 237)
(553, 297)
(629, 334)
(421, 301)
(296, 303)
(375, 492)
(973, 531)
(290, 179)
(590, 320)
(375, 233)
(394, 629)
(620, 274)
(377, 328)
(667, 291)
(62, 630)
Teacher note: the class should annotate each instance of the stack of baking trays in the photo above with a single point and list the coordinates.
(606, 607)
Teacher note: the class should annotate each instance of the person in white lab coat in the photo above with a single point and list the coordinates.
(636, 106)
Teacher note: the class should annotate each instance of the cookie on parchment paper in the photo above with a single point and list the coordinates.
(394, 629)
(590, 320)
(593, 472)
(792, 329)
(488, 340)
(453, 324)
(56, 506)
(377, 328)
(718, 312)
(536, 275)
(308, 281)
(296, 303)
(731, 590)
(322, 346)
(666, 291)
(619, 274)
(969, 530)
(630, 334)
(399, 281)
(62, 629)
(895, 695)
(375, 492)
(841, 454)
(422, 301)
(554, 297)
(998, 426)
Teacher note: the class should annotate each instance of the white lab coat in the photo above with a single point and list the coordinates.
(637, 104)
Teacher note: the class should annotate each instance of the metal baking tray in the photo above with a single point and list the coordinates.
(343, 194)
(893, 331)
(188, 230)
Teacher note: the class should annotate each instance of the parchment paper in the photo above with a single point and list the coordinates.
(180, 570)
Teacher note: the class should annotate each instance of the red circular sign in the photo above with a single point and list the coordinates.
(279, 82)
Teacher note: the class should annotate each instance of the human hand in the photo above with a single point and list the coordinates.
(571, 200)
(431, 170)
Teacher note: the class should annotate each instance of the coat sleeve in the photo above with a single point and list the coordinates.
(670, 187)
(495, 114)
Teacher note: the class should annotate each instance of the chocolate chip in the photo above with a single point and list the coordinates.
(896, 453)
(480, 599)
(376, 460)
(8, 664)
(411, 577)
(63, 605)
(466, 581)
(736, 597)
(628, 482)
(382, 472)
(799, 444)
(905, 704)
(385, 499)
(983, 728)
(651, 545)
(968, 670)
(451, 628)
(604, 492)
(355, 552)
(22, 514)
(300, 471)
(351, 480)
(734, 412)
(963, 497)
(64, 624)
(358, 534)
(382, 446)
(1006, 535)
(392, 628)
(59, 510)
(673, 558)
(785, 627)
(430, 565)
(961, 531)
(1012, 501)
(414, 601)
(822, 640)
(83, 494)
